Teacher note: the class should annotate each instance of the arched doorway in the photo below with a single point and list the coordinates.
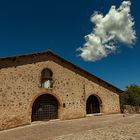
(92, 105)
(45, 107)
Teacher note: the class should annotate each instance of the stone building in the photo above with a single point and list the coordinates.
(44, 86)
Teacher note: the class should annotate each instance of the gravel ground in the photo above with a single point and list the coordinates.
(106, 127)
(113, 132)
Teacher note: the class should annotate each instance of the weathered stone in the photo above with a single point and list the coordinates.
(131, 109)
(20, 86)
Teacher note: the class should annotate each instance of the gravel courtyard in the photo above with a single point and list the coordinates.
(105, 127)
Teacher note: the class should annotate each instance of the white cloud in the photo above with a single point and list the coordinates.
(117, 26)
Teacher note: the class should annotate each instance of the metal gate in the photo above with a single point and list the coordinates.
(45, 107)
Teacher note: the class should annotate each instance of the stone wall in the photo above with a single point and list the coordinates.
(130, 109)
(20, 86)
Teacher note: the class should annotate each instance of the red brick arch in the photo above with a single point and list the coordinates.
(99, 99)
(48, 92)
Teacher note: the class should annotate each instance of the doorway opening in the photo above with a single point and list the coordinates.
(92, 105)
(45, 107)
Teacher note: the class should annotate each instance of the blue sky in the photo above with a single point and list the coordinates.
(32, 26)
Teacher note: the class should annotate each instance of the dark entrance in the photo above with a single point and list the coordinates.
(92, 105)
(45, 107)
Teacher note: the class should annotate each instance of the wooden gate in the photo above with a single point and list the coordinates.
(92, 105)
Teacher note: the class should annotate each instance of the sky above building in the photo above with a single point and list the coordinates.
(33, 26)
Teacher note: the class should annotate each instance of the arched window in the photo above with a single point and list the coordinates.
(46, 78)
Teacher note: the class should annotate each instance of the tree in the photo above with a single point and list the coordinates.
(131, 96)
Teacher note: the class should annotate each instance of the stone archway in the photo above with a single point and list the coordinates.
(45, 107)
(93, 105)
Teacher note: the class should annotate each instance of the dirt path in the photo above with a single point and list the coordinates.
(109, 127)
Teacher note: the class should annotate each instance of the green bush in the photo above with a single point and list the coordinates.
(131, 96)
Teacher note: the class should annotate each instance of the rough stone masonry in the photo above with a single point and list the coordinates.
(68, 92)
